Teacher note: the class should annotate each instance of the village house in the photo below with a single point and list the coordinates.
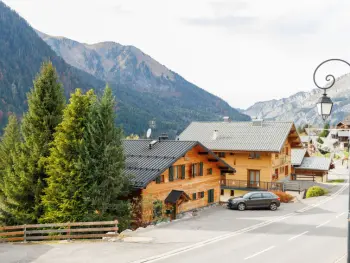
(173, 176)
(259, 150)
(304, 167)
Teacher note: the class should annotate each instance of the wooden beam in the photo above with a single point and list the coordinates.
(203, 153)
(212, 160)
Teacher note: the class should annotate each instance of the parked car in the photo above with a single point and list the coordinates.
(255, 200)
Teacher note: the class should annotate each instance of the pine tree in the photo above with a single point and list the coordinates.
(9, 179)
(64, 198)
(105, 162)
(46, 102)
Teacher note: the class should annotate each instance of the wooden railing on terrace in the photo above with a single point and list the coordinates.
(244, 184)
(76, 230)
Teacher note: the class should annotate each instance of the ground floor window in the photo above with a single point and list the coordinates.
(194, 196)
(222, 191)
(200, 194)
(211, 196)
(232, 192)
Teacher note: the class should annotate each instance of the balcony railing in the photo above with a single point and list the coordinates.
(244, 184)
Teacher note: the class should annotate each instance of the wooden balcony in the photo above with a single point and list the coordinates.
(251, 185)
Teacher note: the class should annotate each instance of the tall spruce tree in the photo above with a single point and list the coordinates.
(67, 182)
(9, 151)
(105, 162)
(46, 102)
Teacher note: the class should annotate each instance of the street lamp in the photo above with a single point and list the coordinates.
(324, 108)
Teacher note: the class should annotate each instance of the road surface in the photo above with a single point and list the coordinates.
(317, 235)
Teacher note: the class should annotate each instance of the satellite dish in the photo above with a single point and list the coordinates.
(149, 132)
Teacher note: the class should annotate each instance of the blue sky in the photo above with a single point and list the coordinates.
(242, 51)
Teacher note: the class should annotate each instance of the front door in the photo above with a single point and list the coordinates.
(253, 178)
(255, 201)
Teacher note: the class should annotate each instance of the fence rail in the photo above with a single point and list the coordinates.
(74, 230)
(273, 186)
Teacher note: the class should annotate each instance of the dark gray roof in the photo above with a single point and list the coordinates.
(239, 136)
(144, 164)
(298, 156)
(174, 196)
(315, 163)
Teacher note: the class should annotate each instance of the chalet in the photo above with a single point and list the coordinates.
(177, 176)
(313, 168)
(259, 150)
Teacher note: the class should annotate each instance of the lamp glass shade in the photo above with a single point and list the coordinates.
(324, 106)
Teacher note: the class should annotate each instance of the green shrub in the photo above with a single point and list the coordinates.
(315, 191)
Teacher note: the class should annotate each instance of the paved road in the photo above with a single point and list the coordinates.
(315, 235)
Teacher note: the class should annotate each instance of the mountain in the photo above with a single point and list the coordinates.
(301, 107)
(177, 101)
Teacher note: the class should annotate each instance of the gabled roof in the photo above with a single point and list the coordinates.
(298, 156)
(175, 195)
(144, 164)
(239, 136)
(315, 163)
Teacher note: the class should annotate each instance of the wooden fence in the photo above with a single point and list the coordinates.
(76, 230)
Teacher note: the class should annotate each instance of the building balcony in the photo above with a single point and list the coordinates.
(251, 185)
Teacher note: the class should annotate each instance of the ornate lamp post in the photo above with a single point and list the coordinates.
(324, 108)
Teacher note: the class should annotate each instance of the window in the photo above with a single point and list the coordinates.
(160, 179)
(254, 155)
(232, 192)
(276, 155)
(157, 209)
(266, 195)
(286, 170)
(209, 171)
(197, 169)
(194, 196)
(222, 154)
(282, 170)
(255, 196)
(287, 151)
(222, 192)
(200, 195)
(176, 172)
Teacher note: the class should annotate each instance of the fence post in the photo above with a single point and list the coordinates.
(68, 231)
(116, 225)
(25, 233)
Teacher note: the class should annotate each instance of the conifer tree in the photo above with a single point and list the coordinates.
(105, 162)
(46, 102)
(9, 151)
(67, 183)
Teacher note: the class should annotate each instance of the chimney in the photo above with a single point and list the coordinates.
(152, 143)
(215, 134)
(227, 119)
(163, 137)
(257, 122)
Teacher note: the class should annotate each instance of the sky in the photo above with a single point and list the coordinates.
(242, 51)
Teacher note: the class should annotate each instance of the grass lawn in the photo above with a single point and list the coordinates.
(337, 181)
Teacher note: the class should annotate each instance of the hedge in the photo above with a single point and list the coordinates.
(285, 198)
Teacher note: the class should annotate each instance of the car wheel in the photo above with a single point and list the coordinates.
(273, 206)
(241, 207)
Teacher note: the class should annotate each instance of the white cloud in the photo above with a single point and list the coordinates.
(243, 51)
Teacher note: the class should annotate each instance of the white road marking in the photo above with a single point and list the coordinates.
(233, 234)
(323, 223)
(340, 259)
(298, 235)
(263, 251)
(340, 215)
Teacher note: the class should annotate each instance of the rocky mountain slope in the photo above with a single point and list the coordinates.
(301, 107)
(22, 52)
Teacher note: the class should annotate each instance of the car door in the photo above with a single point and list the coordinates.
(255, 201)
(267, 198)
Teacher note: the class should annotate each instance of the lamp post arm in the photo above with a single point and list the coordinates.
(330, 78)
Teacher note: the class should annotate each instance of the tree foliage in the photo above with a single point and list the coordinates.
(64, 198)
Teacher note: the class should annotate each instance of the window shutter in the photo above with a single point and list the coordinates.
(158, 180)
(201, 169)
(183, 171)
(171, 174)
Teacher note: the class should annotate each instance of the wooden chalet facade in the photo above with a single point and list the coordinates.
(260, 151)
(177, 176)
